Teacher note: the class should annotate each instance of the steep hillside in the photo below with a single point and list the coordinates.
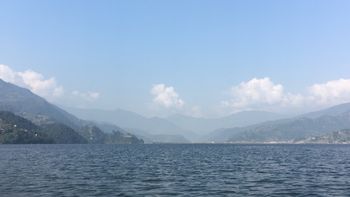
(30, 106)
(62, 134)
(58, 124)
(17, 130)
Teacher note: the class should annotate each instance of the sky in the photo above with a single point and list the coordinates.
(193, 57)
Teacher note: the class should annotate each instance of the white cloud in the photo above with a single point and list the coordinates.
(7, 74)
(39, 85)
(88, 96)
(264, 94)
(42, 86)
(331, 92)
(166, 96)
(32, 80)
(254, 93)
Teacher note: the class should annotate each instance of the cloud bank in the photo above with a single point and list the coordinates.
(264, 94)
(255, 92)
(166, 96)
(331, 92)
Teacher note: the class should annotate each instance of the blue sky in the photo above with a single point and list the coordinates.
(110, 54)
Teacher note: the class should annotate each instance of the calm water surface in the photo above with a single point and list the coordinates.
(174, 170)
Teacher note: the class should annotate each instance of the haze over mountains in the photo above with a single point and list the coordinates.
(176, 128)
(249, 126)
(239, 119)
(154, 129)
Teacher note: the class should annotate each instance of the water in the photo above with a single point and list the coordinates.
(174, 170)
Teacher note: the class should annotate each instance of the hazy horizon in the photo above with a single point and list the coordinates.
(197, 58)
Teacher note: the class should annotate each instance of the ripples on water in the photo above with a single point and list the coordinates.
(179, 170)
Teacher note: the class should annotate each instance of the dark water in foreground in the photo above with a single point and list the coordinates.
(166, 170)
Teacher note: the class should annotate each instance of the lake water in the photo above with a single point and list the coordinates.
(174, 170)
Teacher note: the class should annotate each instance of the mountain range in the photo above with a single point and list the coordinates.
(152, 129)
(28, 118)
(176, 128)
(247, 126)
(49, 121)
(288, 130)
